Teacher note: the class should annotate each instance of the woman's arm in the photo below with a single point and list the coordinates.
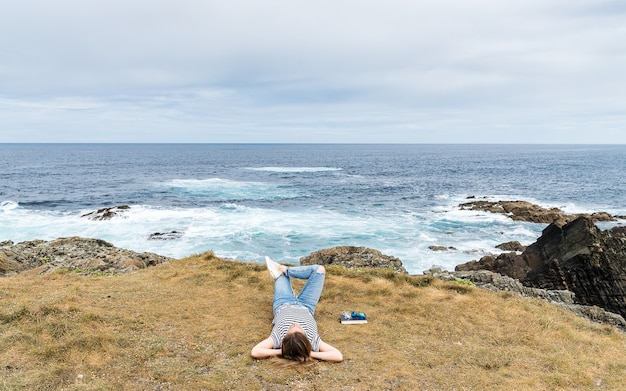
(327, 353)
(265, 349)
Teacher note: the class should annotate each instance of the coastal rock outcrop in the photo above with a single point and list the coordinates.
(106, 213)
(508, 263)
(75, 254)
(526, 211)
(171, 235)
(511, 246)
(578, 257)
(441, 248)
(353, 257)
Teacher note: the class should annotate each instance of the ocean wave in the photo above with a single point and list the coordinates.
(294, 169)
(217, 189)
(249, 233)
(8, 205)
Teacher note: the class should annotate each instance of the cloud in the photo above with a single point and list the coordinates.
(250, 71)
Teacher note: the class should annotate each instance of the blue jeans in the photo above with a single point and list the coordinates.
(310, 293)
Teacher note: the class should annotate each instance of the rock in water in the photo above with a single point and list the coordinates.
(171, 235)
(106, 213)
(526, 211)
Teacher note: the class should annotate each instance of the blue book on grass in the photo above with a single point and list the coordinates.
(352, 317)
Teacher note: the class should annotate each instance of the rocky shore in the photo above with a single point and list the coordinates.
(573, 264)
(74, 254)
(577, 257)
(526, 211)
(485, 275)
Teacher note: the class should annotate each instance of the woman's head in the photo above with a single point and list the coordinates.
(296, 346)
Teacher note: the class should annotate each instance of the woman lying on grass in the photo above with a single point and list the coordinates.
(294, 336)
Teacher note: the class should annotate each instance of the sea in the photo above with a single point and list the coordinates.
(246, 201)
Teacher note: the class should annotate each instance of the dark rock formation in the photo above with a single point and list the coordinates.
(441, 248)
(75, 254)
(106, 213)
(578, 257)
(526, 211)
(508, 264)
(353, 257)
(511, 246)
(583, 259)
(165, 235)
(618, 232)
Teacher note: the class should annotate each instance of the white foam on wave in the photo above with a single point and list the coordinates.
(8, 205)
(249, 233)
(469, 234)
(218, 189)
(466, 215)
(294, 169)
(576, 208)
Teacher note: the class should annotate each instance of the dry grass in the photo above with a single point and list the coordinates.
(190, 325)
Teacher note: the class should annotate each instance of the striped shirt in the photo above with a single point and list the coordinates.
(289, 314)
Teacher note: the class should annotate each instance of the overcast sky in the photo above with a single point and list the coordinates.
(359, 71)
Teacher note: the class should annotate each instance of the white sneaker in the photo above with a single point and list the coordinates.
(272, 266)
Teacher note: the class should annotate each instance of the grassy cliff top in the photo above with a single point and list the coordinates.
(190, 325)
